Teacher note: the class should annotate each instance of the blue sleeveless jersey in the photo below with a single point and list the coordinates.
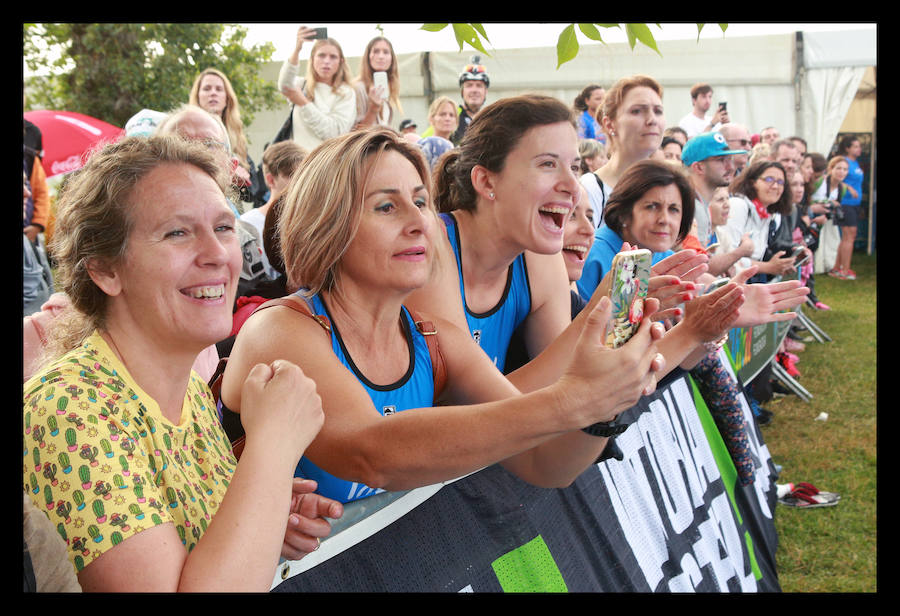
(493, 330)
(414, 390)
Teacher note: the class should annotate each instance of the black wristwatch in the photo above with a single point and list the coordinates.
(606, 428)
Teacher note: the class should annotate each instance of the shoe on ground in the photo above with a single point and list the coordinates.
(849, 274)
(807, 496)
(838, 273)
(764, 417)
(793, 346)
(778, 389)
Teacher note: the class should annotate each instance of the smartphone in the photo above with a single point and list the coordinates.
(319, 33)
(379, 78)
(628, 290)
(801, 256)
(723, 105)
(716, 284)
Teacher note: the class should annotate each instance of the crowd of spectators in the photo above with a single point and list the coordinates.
(493, 231)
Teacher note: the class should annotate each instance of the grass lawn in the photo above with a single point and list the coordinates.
(832, 549)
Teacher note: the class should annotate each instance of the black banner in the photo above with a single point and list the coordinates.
(669, 517)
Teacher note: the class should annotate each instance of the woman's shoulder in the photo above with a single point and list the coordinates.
(70, 366)
(737, 200)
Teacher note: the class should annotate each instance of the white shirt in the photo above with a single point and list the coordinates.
(693, 125)
(598, 196)
(329, 114)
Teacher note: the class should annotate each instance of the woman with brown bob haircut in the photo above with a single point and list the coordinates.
(634, 185)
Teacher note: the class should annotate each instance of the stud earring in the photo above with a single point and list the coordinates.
(491, 196)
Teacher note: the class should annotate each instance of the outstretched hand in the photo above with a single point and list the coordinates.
(688, 265)
(673, 282)
(307, 524)
(765, 303)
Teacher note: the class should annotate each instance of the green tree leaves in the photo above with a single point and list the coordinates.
(111, 71)
(567, 46)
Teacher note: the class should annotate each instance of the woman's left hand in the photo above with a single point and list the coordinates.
(713, 314)
(764, 302)
(307, 524)
(375, 97)
(687, 264)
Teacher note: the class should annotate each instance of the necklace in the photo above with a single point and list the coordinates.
(116, 349)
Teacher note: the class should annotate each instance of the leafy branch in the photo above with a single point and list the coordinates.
(567, 46)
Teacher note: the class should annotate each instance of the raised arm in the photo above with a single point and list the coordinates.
(418, 447)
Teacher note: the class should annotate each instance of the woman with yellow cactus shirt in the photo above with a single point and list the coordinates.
(123, 448)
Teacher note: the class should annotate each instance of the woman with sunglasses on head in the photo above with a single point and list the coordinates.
(633, 121)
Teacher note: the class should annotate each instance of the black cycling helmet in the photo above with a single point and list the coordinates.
(474, 71)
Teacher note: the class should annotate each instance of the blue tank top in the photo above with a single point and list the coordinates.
(493, 330)
(414, 390)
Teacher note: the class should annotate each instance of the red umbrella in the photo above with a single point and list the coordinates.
(67, 136)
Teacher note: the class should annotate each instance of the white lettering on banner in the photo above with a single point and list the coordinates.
(667, 466)
(635, 508)
(70, 164)
(727, 532)
(759, 339)
(689, 579)
(675, 446)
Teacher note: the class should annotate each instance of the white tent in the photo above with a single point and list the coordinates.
(801, 83)
(829, 76)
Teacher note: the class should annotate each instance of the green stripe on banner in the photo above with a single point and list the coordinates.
(726, 467)
(730, 357)
(529, 568)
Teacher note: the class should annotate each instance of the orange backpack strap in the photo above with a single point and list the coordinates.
(439, 369)
(295, 303)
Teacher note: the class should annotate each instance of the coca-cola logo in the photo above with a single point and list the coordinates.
(68, 165)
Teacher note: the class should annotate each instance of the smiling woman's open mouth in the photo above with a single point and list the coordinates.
(205, 292)
(554, 216)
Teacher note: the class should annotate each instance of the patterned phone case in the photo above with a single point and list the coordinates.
(631, 277)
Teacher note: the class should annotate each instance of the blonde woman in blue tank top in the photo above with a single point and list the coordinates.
(359, 234)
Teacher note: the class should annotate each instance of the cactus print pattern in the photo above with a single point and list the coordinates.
(102, 462)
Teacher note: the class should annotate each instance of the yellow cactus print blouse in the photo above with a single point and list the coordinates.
(103, 463)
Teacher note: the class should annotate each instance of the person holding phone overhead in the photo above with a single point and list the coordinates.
(324, 103)
(378, 85)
